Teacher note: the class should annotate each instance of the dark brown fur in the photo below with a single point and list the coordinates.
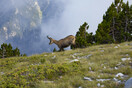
(63, 43)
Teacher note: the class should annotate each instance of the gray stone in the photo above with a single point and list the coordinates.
(124, 59)
(87, 56)
(75, 60)
(98, 84)
(116, 47)
(87, 78)
(48, 81)
(2, 73)
(119, 75)
(101, 50)
(128, 83)
(102, 80)
(116, 80)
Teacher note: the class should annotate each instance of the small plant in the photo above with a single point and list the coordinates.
(42, 60)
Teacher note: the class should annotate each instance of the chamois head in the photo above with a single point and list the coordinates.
(51, 40)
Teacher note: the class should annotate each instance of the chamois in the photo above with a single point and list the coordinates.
(63, 43)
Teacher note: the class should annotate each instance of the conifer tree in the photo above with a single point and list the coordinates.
(83, 38)
(116, 24)
(54, 50)
(4, 50)
(7, 51)
(125, 17)
(16, 52)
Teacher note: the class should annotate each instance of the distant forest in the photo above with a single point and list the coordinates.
(6, 50)
(116, 27)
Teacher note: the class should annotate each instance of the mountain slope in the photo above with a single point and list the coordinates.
(17, 17)
(106, 66)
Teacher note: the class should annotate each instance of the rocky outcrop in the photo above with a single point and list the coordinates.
(18, 16)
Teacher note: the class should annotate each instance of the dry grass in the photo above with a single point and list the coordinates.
(96, 62)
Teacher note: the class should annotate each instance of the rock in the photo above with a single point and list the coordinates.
(124, 59)
(48, 81)
(60, 77)
(116, 68)
(76, 54)
(67, 59)
(87, 78)
(127, 54)
(119, 64)
(116, 80)
(90, 68)
(104, 67)
(128, 83)
(74, 60)
(52, 53)
(116, 47)
(73, 56)
(86, 57)
(98, 76)
(45, 55)
(119, 75)
(102, 80)
(101, 50)
(2, 73)
(98, 84)
(102, 85)
(54, 57)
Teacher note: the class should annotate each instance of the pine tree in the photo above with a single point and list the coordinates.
(116, 24)
(125, 17)
(54, 50)
(16, 52)
(7, 51)
(83, 38)
(0, 52)
(102, 34)
(24, 55)
(4, 50)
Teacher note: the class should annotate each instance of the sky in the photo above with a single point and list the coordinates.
(75, 13)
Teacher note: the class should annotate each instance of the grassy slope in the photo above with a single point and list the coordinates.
(54, 70)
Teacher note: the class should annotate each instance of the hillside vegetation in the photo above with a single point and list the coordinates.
(101, 66)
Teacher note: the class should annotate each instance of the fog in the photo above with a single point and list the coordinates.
(74, 14)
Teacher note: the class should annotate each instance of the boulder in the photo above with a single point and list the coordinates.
(128, 83)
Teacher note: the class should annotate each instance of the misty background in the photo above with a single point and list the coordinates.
(26, 23)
